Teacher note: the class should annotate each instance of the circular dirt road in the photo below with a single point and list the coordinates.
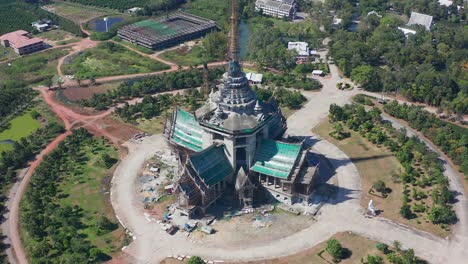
(151, 244)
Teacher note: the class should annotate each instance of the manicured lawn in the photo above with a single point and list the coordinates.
(110, 59)
(374, 164)
(32, 69)
(186, 56)
(7, 53)
(21, 126)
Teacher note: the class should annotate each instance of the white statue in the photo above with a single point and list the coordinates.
(371, 207)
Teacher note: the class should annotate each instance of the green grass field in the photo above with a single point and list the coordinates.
(110, 59)
(7, 53)
(32, 69)
(20, 127)
(186, 56)
(54, 35)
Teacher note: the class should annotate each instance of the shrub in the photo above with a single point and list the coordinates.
(374, 259)
(380, 187)
(382, 247)
(405, 211)
(195, 260)
(442, 215)
(335, 249)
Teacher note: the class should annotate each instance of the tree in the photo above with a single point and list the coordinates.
(335, 249)
(215, 45)
(380, 187)
(382, 247)
(195, 260)
(442, 215)
(367, 77)
(405, 211)
(374, 259)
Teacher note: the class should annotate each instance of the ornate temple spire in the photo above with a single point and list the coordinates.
(234, 45)
(234, 66)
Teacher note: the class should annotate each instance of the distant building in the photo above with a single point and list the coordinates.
(304, 53)
(317, 72)
(134, 10)
(166, 31)
(446, 2)
(21, 42)
(254, 78)
(277, 8)
(42, 24)
(420, 19)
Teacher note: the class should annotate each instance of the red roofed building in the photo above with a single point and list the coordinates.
(21, 42)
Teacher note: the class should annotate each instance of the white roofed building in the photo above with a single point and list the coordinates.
(303, 51)
(420, 19)
(254, 78)
(277, 8)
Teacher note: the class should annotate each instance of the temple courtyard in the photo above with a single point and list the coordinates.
(344, 213)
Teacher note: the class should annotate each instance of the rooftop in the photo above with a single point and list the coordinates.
(276, 158)
(302, 48)
(420, 19)
(160, 29)
(187, 133)
(19, 39)
(211, 165)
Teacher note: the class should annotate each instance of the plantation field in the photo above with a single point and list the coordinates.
(20, 127)
(88, 191)
(7, 53)
(90, 229)
(374, 164)
(16, 15)
(77, 13)
(109, 59)
(32, 69)
(212, 9)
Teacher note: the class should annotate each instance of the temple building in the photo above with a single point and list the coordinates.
(230, 143)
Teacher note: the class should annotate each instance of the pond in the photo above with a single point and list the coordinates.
(100, 24)
(7, 141)
(244, 34)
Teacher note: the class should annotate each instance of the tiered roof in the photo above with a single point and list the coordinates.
(211, 165)
(187, 133)
(276, 158)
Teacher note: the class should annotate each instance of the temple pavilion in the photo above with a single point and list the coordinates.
(232, 142)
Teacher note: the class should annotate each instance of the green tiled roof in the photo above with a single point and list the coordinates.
(156, 27)
(211, 165)
(276, 158)
(187, 132)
